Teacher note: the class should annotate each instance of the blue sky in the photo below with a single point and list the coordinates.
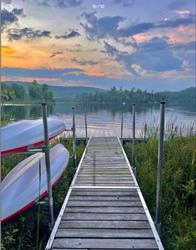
(145, 44)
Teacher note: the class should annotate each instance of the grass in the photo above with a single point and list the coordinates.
(178, 187)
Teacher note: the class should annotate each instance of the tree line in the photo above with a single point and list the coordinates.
(183, 98)
(34, 92)
(119, 96)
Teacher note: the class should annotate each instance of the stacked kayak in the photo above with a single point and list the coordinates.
(27, 182)
(19, 136)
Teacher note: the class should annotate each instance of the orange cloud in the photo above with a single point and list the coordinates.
(142, 38)
(181, 34)
(7, 51)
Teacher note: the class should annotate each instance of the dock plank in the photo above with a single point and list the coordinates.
(105, 243)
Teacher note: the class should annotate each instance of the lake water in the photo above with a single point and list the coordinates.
(105, 120)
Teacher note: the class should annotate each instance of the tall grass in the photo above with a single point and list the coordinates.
(178, 187)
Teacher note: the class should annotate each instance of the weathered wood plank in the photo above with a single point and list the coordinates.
(104, 204)
(102, 216)
(105, 243)
(105, 224)
(107, 192)
(105, 233)
(103, 198)
(105, 210)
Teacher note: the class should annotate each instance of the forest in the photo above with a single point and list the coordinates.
(34, 92)
(140, 97)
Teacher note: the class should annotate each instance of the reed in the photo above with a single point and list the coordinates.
(179, 193)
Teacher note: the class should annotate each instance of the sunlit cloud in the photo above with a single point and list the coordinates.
(122, 44)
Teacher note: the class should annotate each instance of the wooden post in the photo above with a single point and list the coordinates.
(47, 159)
(74, 137)
(159, 166)
(133, 140)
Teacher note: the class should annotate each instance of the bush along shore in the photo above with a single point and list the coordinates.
(178, 187)
(29, 230)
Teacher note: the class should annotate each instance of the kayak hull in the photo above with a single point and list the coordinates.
(24, 185)
(19, 136)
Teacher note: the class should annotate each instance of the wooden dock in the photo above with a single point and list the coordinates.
(104, 207)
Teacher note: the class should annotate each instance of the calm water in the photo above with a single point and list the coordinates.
(105, 120)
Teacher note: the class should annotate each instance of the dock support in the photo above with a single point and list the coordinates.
(74, 137)
(47, 159)
(159, 166)
(133, 140)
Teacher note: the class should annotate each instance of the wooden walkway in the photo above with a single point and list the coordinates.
(104, 207)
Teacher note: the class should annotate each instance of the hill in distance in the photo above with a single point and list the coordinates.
(60, 92)
(182, 98)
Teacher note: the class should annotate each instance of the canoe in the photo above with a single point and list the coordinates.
(19, 136)
(23, 186)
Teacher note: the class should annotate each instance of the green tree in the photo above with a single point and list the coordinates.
(35, 91)
(19, 91)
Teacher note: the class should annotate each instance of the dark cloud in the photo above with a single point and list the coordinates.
(110, 50)
(56, 54)
(100, 27)
(40, 72)
(144, 27)
(154, 56)
(10, 17)
(18, 12)
(69, 35)
(58, 3)
(7, 1)
(84, 62)
(29, 33)
(107, 26)
(176, 4)
(136, 29)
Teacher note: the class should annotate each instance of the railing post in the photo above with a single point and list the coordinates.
(145, 131)
(121, 130)
(159, 166)
(122, 123)
(86, 132)
(94, 165)
(74, 137)
(133, 140)
(47, 160)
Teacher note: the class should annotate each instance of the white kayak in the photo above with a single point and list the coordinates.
(23, 186)
(19, 136)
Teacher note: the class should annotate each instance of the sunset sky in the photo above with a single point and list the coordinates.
(146, 44)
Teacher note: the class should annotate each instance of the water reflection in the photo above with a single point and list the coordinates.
(104, 119)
